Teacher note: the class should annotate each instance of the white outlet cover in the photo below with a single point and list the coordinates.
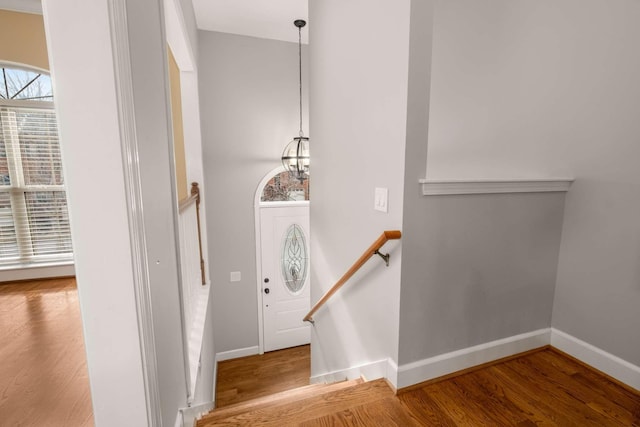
(381, 200)
(235, 276)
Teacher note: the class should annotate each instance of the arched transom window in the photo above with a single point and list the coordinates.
(19, 84)
(285, 188)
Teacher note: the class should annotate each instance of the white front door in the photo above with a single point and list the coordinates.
(284, 243)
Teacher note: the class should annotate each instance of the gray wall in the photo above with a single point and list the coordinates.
(598, 288)
(550, 88)
(249, 112)
(359, 62)
(477, 268)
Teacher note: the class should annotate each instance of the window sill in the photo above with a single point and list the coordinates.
(33, 271)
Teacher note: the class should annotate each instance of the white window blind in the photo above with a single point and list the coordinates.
(34, 222)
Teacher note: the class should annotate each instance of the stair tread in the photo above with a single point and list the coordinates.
(279, 398)
(307, 406)
(385, 412)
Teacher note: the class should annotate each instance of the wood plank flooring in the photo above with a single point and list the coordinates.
(539, 388)
(43, 373)
(250, 377)
(544, 388)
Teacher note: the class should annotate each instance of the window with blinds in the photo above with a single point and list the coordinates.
(34, 221)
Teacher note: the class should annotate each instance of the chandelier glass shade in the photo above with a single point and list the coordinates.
(295, 157)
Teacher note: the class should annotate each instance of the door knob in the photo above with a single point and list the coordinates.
(266, 280)
(266, 290)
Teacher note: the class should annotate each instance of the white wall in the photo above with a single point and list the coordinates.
(96, 196)
(182, 38)
(359, 63)
(84, 56)
(249, 109)
(148, 48)
(550, 88)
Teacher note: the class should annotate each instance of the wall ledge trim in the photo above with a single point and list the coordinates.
(597, 358)
(434, 187)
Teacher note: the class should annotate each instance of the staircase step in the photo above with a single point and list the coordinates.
(282, 397)
(300, 405)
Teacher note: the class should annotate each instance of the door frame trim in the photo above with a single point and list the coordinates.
(257, 205)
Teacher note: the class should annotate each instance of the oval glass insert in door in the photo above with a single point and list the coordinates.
(294, 259)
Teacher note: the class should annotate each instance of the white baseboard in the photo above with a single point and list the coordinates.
(611, 365)
(234, 354)
(215, 380)
(392, 373)
(188, 416)
(448, 363)
(369, 371)
(36, 272)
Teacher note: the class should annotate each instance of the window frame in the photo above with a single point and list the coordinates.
(18, 189)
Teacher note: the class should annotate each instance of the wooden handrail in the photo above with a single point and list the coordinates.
(185, 203)
(194, 197)
(371, 251)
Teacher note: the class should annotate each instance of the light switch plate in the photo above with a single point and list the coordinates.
(235, 276)
(381, 200)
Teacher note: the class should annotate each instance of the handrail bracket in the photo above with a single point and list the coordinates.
(310, 320)
(385, 257)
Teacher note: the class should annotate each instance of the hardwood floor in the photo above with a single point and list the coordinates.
(43, 373)
(261, 375)
(540, 388)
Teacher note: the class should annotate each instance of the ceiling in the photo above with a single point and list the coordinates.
(269, 19)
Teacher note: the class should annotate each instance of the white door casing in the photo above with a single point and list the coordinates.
(284, 242)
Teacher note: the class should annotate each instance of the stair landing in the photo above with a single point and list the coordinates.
(344, 403)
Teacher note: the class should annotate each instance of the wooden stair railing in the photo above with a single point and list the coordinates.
(371, 251)
(185, 203)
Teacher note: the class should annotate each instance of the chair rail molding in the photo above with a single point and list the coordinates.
(443, 187)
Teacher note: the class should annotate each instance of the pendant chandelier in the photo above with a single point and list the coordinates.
(295, 157)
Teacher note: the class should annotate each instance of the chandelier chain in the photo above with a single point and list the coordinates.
(300, 74)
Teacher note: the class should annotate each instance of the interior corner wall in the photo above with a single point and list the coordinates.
(249, 104)
(359, 65)
(598, 288)
(23, 38)
(550, 89)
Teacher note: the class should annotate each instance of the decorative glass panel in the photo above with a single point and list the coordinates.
(295, 260)
(285, 188)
